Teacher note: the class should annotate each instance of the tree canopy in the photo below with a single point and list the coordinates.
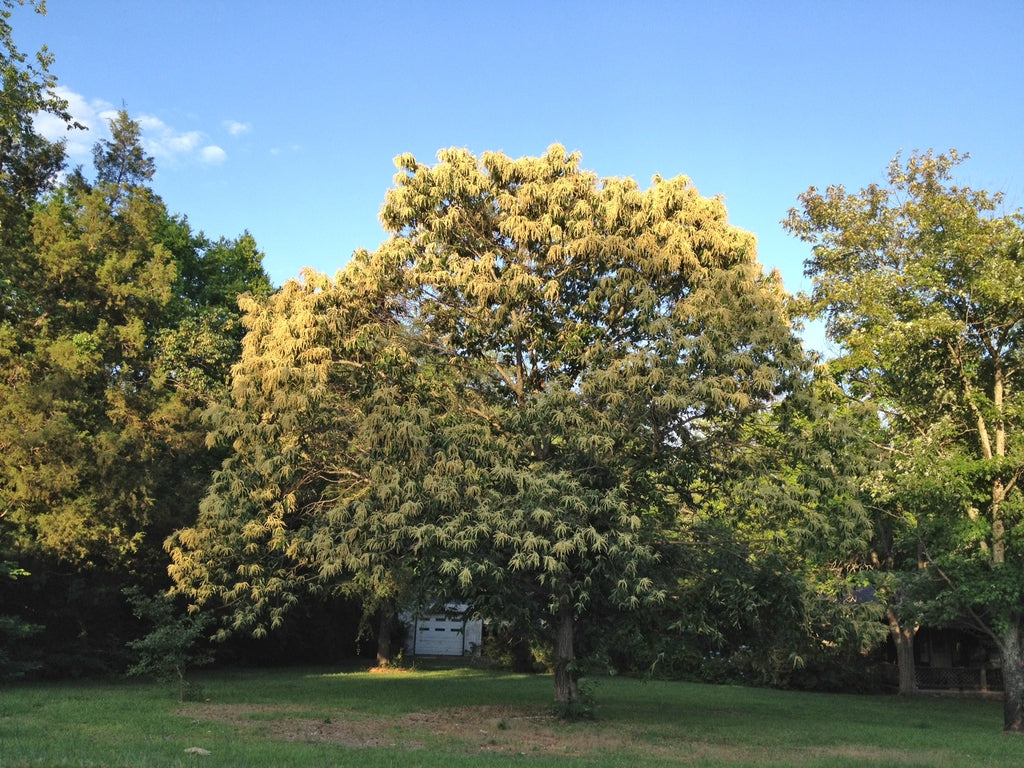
(922, 283)
(521, 391)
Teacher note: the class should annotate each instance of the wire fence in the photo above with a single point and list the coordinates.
(958, 679)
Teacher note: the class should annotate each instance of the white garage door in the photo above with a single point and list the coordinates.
(444, 633)
(439, 636)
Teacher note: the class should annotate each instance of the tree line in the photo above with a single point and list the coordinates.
(577, 405)
(118, 327)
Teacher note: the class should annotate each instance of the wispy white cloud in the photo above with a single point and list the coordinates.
(167, 144)
(92, 114)
(213, 155)
(236, 128)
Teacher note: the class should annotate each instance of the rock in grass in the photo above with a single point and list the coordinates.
(197, 751)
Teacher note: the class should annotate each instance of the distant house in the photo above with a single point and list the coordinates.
(952, 660)
(443, 631)
(946, 659)
(949, 660)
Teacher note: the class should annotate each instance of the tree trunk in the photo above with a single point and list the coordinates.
(386, 620)
(903, 637)
(566, 688)
(998, 523)
(1013, 678)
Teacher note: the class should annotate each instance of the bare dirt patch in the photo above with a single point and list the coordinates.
(470, 729)
(511, 730)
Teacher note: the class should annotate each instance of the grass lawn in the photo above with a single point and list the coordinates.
(456, 717)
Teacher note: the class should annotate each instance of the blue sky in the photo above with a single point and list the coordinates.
(283, 118)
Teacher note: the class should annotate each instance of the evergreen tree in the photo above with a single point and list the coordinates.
(106, 370)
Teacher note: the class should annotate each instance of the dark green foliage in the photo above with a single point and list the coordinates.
(125, 328)
(748, 618)
(82, 617)
(175, 644)
(756, 620)
(15, 632)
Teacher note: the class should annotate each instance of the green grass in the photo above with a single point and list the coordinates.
(282, 718)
